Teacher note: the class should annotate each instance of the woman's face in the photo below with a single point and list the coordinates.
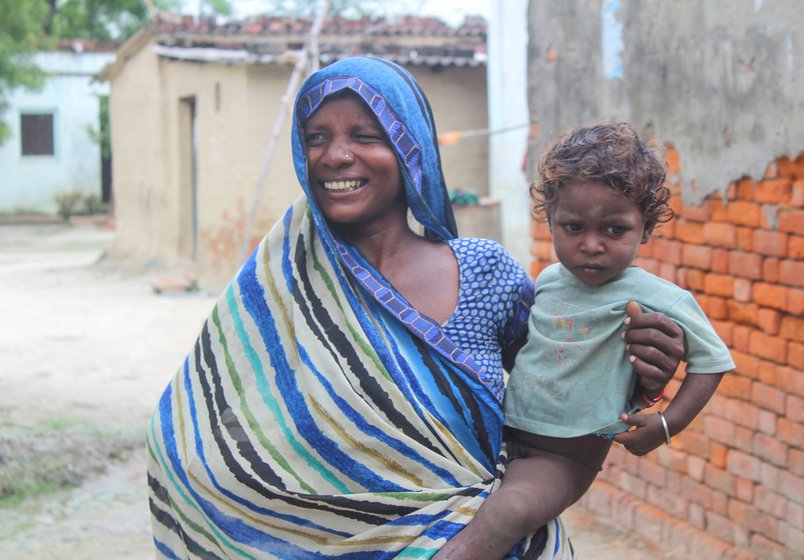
(353, 171)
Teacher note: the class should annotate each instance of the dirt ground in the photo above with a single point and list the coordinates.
(86, 348)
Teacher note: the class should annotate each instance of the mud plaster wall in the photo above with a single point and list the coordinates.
(719, 80)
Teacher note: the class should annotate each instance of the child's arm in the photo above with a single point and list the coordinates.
(534, 490)
(694, 393)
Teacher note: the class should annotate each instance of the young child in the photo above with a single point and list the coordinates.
(602, 193)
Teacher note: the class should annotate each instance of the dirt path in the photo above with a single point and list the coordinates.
(86, 349)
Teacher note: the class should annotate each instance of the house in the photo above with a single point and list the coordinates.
(193, 105)
(50, 150)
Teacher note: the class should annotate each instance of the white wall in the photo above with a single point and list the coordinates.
(29, 183)
(508, 109)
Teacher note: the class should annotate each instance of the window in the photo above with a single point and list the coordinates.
(37, 134)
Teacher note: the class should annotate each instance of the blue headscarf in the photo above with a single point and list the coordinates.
(404, 113)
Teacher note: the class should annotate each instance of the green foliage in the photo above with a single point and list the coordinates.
(103, 135)
(20, 37)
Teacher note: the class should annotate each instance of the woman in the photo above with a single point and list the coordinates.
(343, 399)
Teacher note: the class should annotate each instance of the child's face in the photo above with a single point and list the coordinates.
(596, 231)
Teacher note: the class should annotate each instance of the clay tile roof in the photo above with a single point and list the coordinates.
(261, 39)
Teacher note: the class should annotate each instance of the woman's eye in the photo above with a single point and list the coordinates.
(314, 139)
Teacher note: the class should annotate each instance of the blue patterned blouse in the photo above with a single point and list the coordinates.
(494, 298)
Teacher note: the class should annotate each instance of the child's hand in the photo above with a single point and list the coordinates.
(649, 433)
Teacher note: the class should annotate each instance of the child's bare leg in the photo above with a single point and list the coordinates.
(534, 490)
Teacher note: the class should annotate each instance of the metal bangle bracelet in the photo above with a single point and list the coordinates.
(666, 429)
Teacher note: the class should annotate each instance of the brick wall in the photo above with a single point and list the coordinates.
(732, 484)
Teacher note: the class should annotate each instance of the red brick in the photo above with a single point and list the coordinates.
(720, 528)
(792, 328)
(747, 265)
(768, 397)
(796, 462)
(770, 476)
(791, 273)
(719, 285)
(769, 320)
(741, 413)
(745, 189)
(770, 502)
(795, 355)
(700, 213)
(743, 313)
(791, 380)
(787, 167)
(791, 221)
(697, 256)
(745, 238)
(743, 489)
(667, 250)
(713, 307)
(693, 443)
(689, 232)
(718, 454)
(770, 243)
(707, 546)
(673, 159)
(770, 295)
(767, 549)
(743, 465)
(795, 301)
(794, 407)
(791, 486)
(795, 247)
(724, 330)
(769, 374)
(767, 419)
(770, 270)
(741, 512)
(774, 191)
(719, 429)
(797, 197)
(790, 432)
(718, 211)
(744, 213)
(771, 450)
(743, 440)
(769, 347)
(720, 261)
(742, 289)
(771, 171)
(667, 271)
(747, 365)
(720, 234)
(740, 338)
(792, 536)
(692, 278)
(652, 473)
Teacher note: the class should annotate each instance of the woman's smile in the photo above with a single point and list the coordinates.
(344, 185)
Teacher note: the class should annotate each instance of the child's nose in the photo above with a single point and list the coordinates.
(592, 244)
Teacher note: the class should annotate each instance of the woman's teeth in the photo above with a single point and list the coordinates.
(343, 185)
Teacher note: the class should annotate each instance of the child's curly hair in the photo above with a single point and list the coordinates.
(610, 153)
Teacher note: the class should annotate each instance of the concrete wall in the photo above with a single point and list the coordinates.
(29, 183)
(235, 111)
(720, 80)
(508, 118)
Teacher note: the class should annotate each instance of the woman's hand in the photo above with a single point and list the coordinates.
(655, 344)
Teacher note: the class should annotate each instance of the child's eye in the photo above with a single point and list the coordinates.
(572, 228)
(616, 231)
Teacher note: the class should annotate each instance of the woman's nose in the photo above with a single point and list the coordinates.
(339, 155)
